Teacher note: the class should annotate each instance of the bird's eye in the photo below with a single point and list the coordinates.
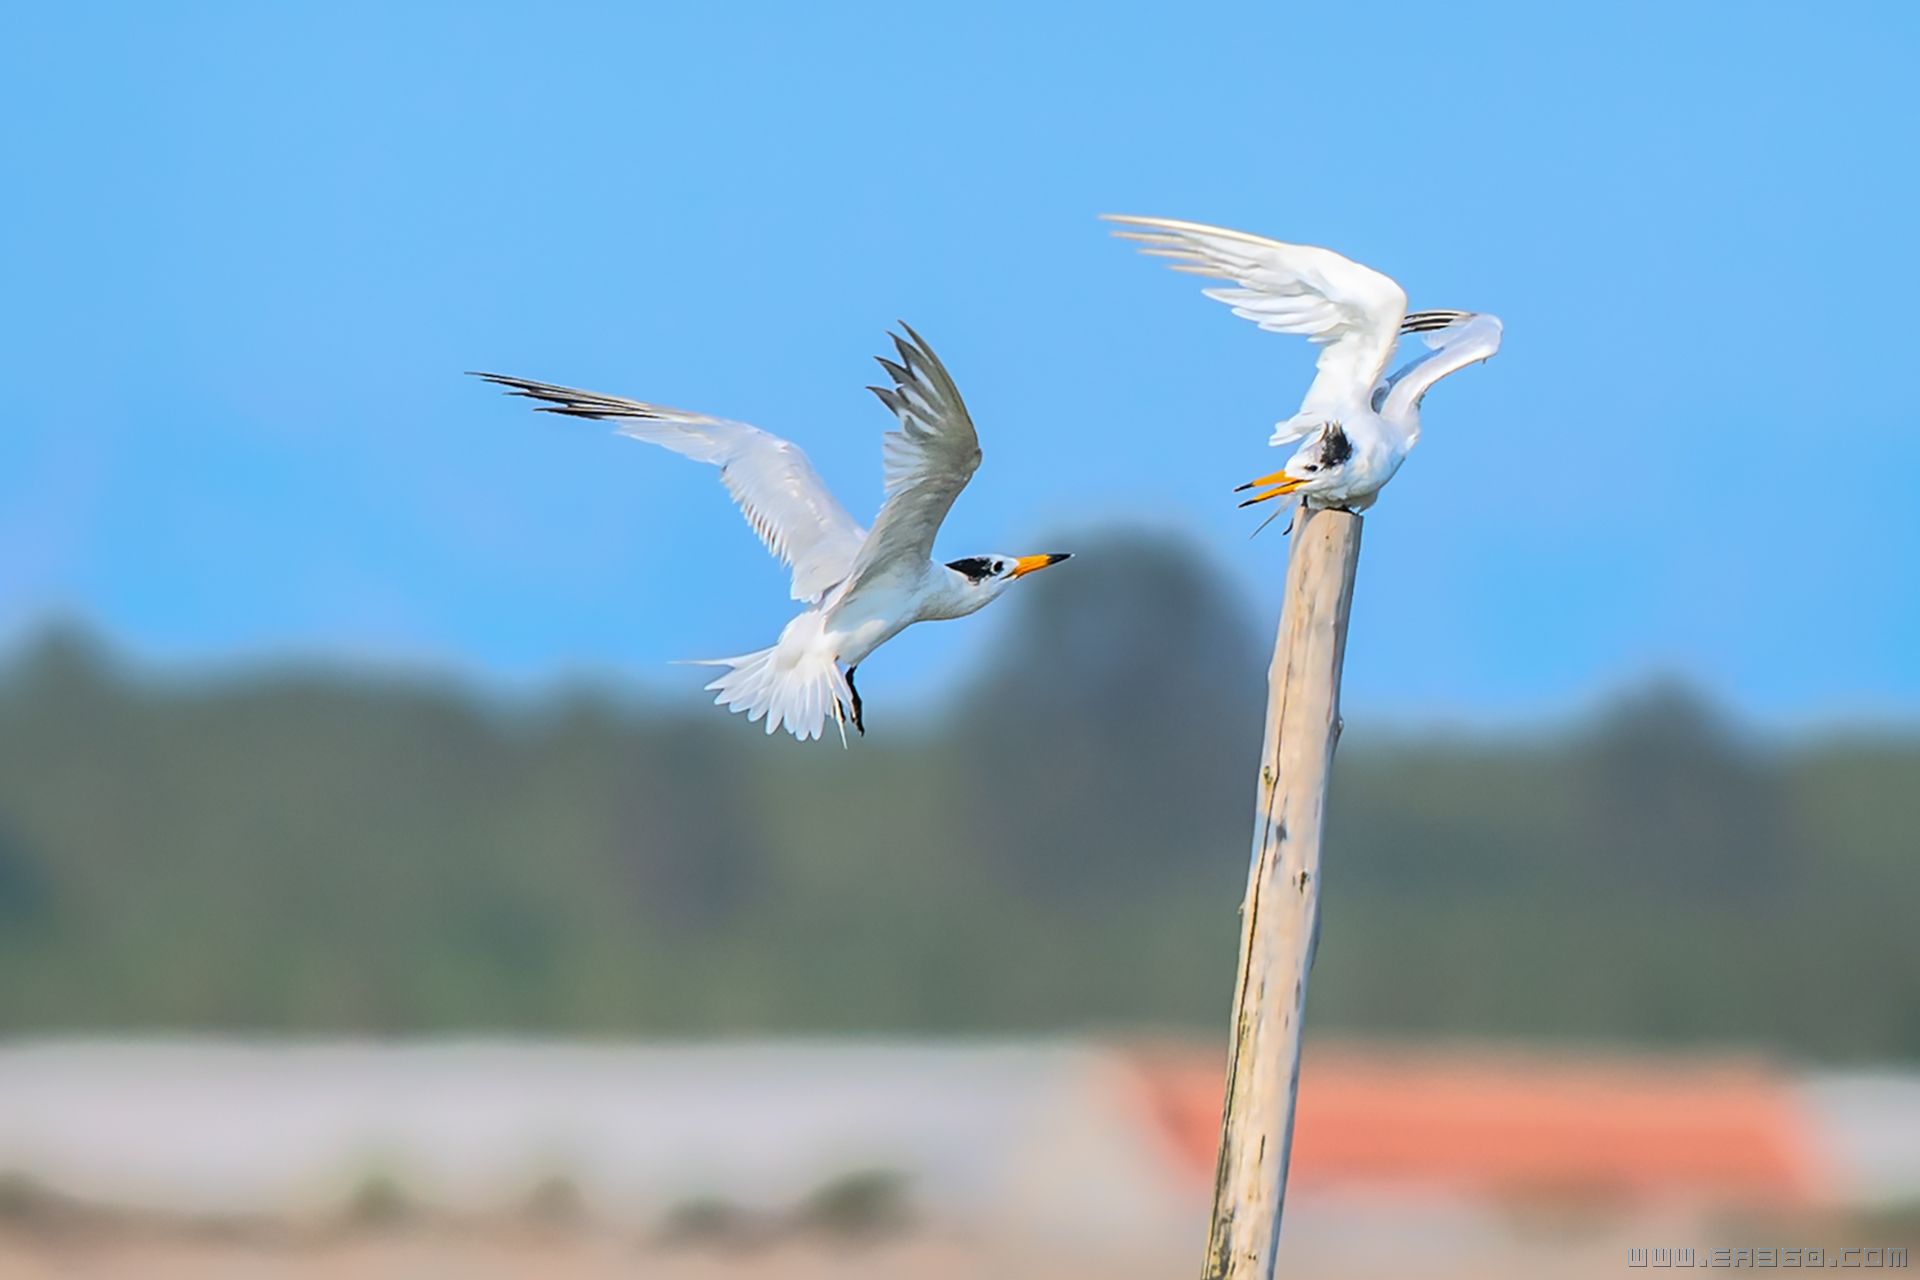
(999, 566)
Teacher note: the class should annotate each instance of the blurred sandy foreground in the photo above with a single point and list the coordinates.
(897, 1159)
(487, 1256)
(410, 1256)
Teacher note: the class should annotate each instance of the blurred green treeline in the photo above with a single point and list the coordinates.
(1062, 851)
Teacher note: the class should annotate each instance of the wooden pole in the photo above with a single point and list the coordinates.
(1280, 918)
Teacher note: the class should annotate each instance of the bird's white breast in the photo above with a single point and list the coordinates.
(876, 613)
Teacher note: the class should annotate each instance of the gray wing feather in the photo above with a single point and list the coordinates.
(771, 479)
(927, 461)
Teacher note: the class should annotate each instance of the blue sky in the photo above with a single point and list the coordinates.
(246, 251)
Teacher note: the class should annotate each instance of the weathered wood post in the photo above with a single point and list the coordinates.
(1280, 918)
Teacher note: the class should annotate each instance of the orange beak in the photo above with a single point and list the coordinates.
(1282, 484)
(1030, 564)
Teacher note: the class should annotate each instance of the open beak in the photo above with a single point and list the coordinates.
(1282, 484)
(1028, 564)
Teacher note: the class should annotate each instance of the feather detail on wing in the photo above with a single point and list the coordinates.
(1353, 311)
(771, 479)
(1455, 340)
(927, 461)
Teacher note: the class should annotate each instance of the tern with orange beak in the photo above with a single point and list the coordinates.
(1358, 422)
(862, 586)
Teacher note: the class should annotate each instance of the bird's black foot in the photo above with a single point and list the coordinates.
(859, 722)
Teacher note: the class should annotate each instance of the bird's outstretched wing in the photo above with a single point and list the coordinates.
(1352, 311)
(777, 488)
(1456, 339)
(928, 461)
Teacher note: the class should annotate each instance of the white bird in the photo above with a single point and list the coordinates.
(862, 587)
(1357, 422)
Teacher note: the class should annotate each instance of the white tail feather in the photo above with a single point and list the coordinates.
(795, 684)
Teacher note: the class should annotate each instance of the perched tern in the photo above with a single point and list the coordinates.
(1357, 423)
(862, 587)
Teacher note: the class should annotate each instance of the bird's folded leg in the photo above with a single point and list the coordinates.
(1280, 484)
(859, 721)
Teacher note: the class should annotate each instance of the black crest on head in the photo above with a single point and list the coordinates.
(976, 568)
(1335, 448)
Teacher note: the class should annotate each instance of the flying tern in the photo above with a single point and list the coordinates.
(861, 586)
(1358, 422)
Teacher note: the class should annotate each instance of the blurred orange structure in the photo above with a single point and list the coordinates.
(1520, 1127)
